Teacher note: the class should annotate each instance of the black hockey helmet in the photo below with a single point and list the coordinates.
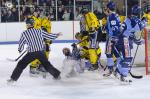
(84, 10)
(30, 21)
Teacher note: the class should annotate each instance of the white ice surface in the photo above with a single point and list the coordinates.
(89, 85)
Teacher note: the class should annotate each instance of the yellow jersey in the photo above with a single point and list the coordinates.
(37, 22)
(148, 18)
(91, 21)
(46, 24)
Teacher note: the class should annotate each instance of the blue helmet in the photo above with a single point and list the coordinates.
(30, 21)
(111, 5)
(135, 10)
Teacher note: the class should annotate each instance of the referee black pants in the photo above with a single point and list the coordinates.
(29, 57)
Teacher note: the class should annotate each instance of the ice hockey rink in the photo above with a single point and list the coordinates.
(88, 85)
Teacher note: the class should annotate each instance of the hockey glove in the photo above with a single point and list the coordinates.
(47, 47)
(74, 45)
(139, 42)
(44, 29)
(19, 51)
(114, 40)
(86, 48)
(84, 33)
(91, 30)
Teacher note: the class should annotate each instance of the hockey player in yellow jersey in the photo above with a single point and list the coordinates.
(84, 46)
(147, 15)
(36, 18)
(46, 26)
(89, 25)
(122, 18)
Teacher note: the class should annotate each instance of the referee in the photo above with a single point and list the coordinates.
(34, 38)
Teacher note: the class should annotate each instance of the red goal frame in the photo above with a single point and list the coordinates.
(146, 50)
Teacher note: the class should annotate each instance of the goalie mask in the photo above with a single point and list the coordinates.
(66, 51)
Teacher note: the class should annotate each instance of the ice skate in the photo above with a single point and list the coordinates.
(93, 67)
(116, 73)
(57, 78)
(124, 80)
(33, 72)
(42, 71)
(10, 81)
(109, 73)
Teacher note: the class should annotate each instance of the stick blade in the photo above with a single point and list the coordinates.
(11, 60)
(136, 76)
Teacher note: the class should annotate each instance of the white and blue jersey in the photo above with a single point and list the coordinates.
(72, 64)
(132, 25)
(113, 25)
(113, 30)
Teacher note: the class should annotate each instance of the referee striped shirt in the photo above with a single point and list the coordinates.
(34, 38)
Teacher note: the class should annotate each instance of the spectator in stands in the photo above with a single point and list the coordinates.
(9, 16)
(71, 14)
(60, 13)
(15, 14)
(66, 15)
(52, 2)
(48, 5)
(4, 15)
(59, 3)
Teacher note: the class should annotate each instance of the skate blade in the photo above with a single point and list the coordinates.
(129, 82)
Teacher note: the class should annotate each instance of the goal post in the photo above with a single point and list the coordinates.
(147, 47)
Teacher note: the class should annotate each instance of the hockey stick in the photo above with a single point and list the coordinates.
(135, 76)
(14, 60)
(132, 75)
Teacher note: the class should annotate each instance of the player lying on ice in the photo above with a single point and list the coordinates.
(72, 64)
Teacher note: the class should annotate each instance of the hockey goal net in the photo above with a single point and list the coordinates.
(143, 53)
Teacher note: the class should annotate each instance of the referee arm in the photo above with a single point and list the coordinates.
(22, 42)
(50, 36)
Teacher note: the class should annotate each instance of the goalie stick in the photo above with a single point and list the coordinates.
(132, 75)
(14, 60)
